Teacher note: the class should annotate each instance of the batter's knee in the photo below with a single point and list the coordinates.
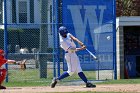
(70, 73)
(3, 72)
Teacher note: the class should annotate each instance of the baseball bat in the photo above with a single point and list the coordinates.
(91, 54)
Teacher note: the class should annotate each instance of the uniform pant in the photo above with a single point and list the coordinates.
(73, 63)
(2, 75)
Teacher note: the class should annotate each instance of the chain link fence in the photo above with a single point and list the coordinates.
(32, 38)
(31, 33)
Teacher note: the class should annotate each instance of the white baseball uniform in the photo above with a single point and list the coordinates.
(71, 57)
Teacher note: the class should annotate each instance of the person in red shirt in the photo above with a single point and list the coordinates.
(3, 70)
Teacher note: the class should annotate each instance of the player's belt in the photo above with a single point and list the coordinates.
(69, 51)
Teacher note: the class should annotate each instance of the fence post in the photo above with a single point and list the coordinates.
(114, 40)
(57, 40)
(43, 39)
(5, 36)
(56, 58)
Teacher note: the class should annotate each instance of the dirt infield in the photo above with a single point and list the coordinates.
(133, 88)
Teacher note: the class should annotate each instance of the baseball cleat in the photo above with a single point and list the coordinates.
(90, 85)
(54, 82)
(2, 87)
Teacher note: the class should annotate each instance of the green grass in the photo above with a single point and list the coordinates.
(122, 81)
(30, 77)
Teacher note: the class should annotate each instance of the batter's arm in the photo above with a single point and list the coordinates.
(77, 40)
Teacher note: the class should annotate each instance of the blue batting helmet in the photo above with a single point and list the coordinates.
(63, 30)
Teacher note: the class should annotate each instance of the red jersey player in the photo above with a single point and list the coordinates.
(3, 70)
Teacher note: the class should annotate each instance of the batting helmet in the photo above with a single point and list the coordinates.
(63, 31)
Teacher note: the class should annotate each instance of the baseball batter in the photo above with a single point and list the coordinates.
(73, 63)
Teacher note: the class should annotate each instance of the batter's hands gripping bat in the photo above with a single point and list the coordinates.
(91, 54)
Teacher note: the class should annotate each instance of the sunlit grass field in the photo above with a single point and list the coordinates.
(31, 77)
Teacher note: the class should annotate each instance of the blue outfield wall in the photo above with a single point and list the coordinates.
(92, 21)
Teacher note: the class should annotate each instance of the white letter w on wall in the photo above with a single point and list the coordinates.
(90, 17)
